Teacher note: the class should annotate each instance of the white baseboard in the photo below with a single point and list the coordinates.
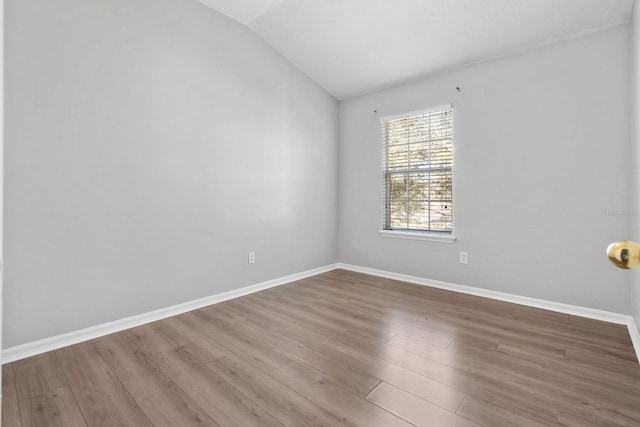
(48, 344)
(23, 351)
(591, 313)
(635, 336)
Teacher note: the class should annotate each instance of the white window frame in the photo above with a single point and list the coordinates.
(428, 235)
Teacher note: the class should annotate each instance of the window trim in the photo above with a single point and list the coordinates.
(430, 236)
(413, 234)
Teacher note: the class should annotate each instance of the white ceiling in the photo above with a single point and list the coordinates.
(351, 47)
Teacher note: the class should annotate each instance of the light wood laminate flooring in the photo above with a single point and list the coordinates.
(338, 349)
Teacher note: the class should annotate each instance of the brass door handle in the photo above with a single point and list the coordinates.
(624, 254)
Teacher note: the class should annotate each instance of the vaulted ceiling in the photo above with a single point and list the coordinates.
(351, 47)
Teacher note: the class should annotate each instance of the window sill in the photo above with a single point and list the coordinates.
(417, 235)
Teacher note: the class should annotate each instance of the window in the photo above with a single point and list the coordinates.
(418, 160)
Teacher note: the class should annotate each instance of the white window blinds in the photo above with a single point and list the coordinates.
(418, 160)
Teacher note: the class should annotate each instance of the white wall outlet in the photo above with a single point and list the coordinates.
(252, 257)
(464, 258)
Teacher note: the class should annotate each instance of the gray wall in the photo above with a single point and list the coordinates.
(150, 144)
(635, 135)
(541, 151)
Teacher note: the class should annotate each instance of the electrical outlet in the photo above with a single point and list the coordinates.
(464, 258)
(252, 257)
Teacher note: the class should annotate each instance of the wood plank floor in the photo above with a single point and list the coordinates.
(338, 349)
